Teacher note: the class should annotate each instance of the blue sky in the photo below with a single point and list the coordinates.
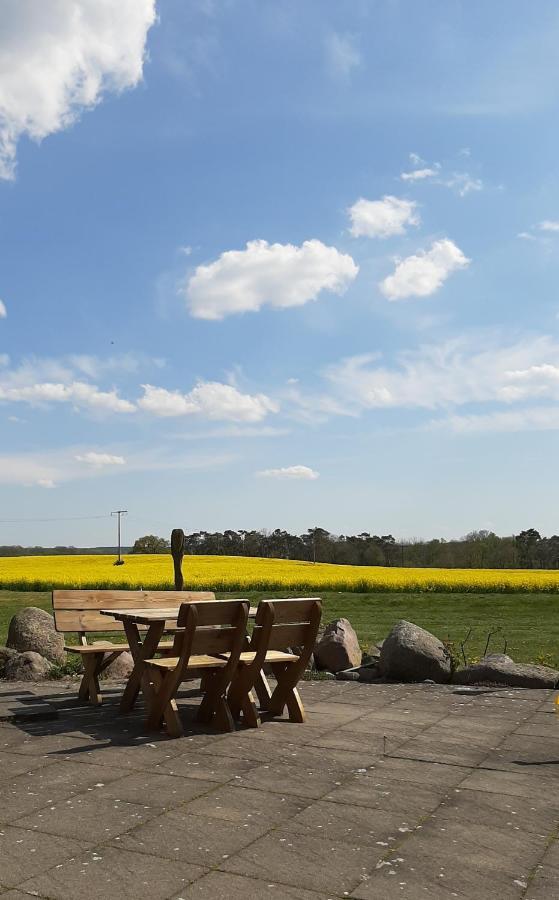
(278, 264)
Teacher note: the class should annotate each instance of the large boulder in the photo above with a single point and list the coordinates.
(27, 666)
(410, 653)
(338, 647)
(500, 669)
(33, 629)
(120, 668)
(6, 653)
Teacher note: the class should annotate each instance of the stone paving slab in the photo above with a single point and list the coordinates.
(387, 791)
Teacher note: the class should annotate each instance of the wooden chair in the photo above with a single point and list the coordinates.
(279, 624)
(78, 611)
(210, 629)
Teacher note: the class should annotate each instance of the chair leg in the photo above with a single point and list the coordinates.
(163, 707)
(172, 720)
(222, 716)
(251, 717)
(286, 694)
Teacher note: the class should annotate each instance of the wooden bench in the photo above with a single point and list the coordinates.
(279, 624)
(79, 611)
(210, 644)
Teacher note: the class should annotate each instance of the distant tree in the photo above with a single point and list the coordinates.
(527, 545)
(150, 543)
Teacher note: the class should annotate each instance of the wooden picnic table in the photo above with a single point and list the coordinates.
(157, 622)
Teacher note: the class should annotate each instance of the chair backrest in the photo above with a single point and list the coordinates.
(287, 623)
(79, 610)
(212, 628)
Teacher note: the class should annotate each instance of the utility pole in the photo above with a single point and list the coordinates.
(119, 513)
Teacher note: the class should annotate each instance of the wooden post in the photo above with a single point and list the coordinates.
(177, 551)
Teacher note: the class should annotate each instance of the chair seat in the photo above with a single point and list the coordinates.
(108, 647)
(195, 662)
(271, 656)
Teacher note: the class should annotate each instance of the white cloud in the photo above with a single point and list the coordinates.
(58, 57)
(425, 272)
(92, 458)
(49, 468)
(78, 393)
(419, 174)
(537, 418)
(382, 218)
(277, 275)
(3, 310)
(549, 225)
(290, 472)
(342, 55)
(209, 399)
(453, 373)
(463, 183)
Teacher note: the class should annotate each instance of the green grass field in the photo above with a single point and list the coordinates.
(528, 622)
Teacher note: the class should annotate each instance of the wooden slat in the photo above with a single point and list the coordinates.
(296, 610)
(140, 616)
(283, 636)
(123, 599)
(213, 640)
(201, 661)
(220, 612)
(92, 620)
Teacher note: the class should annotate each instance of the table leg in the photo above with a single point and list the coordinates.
(140, 651)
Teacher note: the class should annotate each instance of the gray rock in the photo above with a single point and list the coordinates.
(499, 669)
(410, 653)
(120, 668)
(33, 629)
(6, 653)
(28, 666)
(338, 649)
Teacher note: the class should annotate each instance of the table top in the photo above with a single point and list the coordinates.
(149, 616)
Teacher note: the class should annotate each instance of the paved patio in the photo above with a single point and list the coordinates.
(387, 791)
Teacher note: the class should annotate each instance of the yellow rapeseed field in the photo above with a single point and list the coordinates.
(233, 573)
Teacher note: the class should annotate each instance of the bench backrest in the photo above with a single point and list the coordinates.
(290, 623)
(80, 610)
(211, 628)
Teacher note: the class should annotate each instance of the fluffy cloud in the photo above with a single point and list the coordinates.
(92, 458)
(79, 393)
(59, 57)
(382, 218)
(277, 275)
(451, 374)
(418, 174)
(549, 225)
(3, 310)
(209, 399)
(425, 272)
(290, 472)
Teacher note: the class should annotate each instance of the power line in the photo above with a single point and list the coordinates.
(59, 519)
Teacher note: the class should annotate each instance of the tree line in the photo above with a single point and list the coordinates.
(478, 549)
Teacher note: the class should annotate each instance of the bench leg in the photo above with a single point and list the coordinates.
(285, 693)
(163, 706)
(214, 707)
(89, 687)
(241, 699)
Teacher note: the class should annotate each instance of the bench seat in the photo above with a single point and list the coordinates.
(108, 647)
(201, 661)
